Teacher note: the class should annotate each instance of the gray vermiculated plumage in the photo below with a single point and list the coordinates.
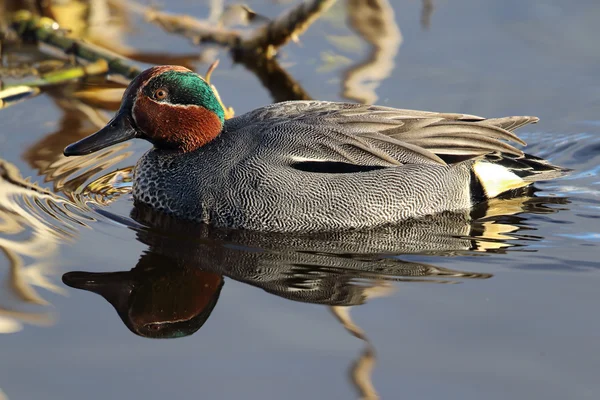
(246, 177)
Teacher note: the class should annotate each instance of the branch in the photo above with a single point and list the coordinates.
(46, 30)
(196, 30)
(199, 31)
(15, 93)
(265, 40)
(286, 27)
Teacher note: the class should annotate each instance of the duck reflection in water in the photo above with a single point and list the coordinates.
(176, 284)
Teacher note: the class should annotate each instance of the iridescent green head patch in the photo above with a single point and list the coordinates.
(185, 88)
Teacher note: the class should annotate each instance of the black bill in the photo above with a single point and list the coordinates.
(118, 130)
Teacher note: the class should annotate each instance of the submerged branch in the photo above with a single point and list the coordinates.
(45, 30)
(12, 94)
(98, 67)
(256, 52)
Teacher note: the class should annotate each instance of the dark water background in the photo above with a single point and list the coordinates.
(523, 325)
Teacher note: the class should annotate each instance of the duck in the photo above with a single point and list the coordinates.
(308, 166)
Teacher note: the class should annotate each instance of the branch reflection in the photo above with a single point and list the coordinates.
(374, 21)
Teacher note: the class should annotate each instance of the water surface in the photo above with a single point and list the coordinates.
(496, 303)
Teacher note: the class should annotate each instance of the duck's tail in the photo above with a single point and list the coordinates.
(499, 173)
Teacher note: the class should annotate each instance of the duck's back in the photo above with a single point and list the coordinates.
(306, 166)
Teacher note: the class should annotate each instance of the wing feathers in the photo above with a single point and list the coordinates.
(511, 123)
(415, 136)
(457, 129)
(478, 144)
(388, 136)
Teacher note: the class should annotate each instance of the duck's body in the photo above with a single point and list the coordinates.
(314, 166)
(305, 166)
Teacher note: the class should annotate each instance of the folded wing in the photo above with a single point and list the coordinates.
(364, 134)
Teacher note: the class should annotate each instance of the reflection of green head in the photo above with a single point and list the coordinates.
(166, 302)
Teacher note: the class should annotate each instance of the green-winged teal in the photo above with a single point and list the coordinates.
(308, 165)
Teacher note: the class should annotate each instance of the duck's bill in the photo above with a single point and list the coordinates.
(113, 286)
(118, 130)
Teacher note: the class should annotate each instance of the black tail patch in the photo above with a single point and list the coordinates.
(524, 166)
(477, 192)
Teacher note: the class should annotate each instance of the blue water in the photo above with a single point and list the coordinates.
(522, 325)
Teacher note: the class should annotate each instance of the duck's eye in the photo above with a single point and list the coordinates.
(160, 94)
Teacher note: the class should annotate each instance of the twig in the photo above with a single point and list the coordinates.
(229, 113)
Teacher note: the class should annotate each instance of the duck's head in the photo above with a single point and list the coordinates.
(170, 106)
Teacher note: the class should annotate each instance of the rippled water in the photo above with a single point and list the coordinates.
(497, 303)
